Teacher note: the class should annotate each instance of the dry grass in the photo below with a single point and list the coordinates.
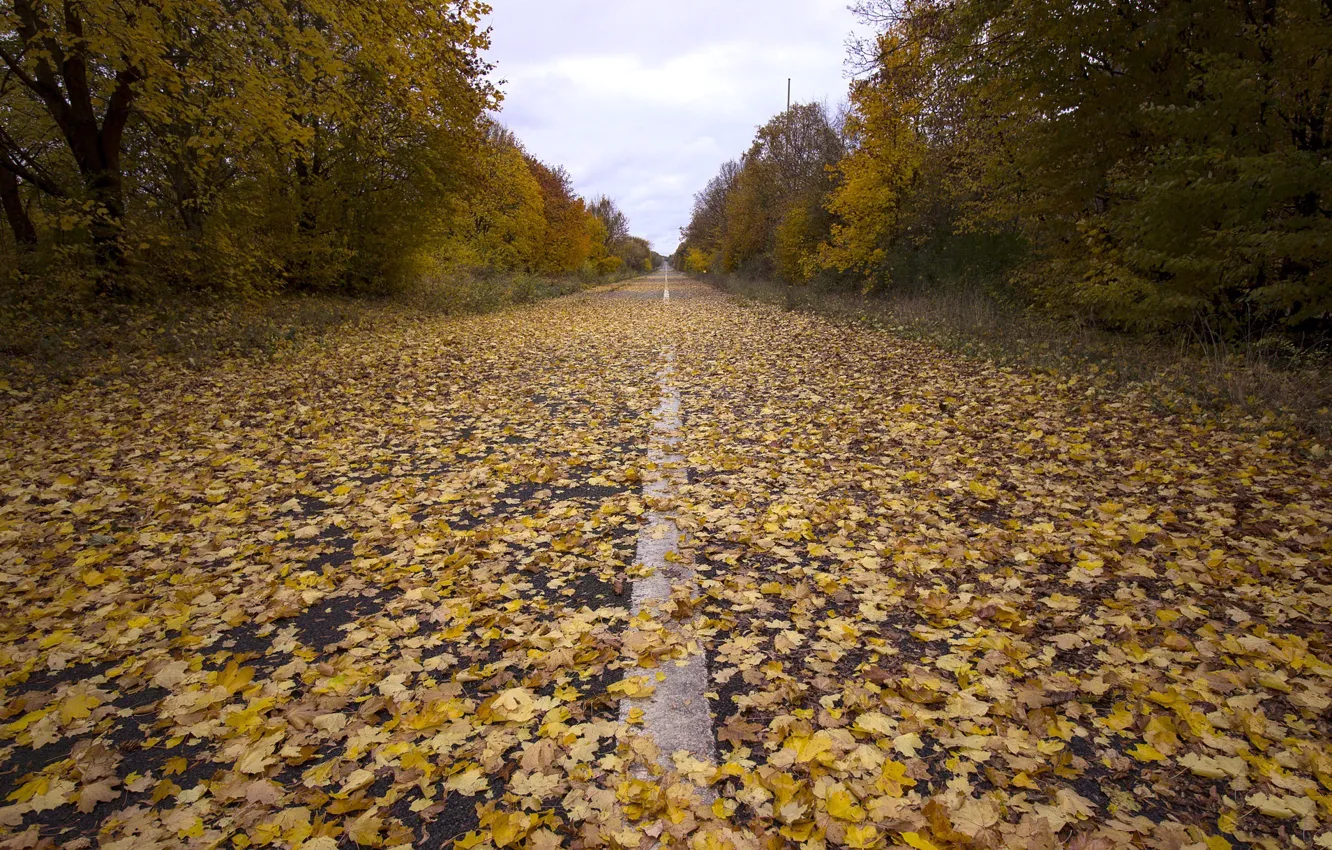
(49, 339)
(1261, 382)
(457, 295)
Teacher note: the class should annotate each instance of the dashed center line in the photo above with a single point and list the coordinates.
(677, 715)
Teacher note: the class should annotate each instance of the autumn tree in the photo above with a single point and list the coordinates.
(765, 213)
(612, 218)
(707, 224)
(81, 63)
(1143, 167)
(566, 243)
(1165, 164)
(498, 224)
(628, 250)
(635, 253)
(243, 144)
(876, 178)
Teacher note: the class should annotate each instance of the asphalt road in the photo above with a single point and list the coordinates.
(617, 570)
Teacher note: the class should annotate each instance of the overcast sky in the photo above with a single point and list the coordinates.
(644, 100)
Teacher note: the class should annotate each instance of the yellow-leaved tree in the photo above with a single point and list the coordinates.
(315, 142)
(499, 224)
(765, 214)
(875, 179)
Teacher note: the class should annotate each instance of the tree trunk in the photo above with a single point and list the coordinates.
(60, 80)
(189, 206)
(307, 173)
(104, 190)
(25, 235)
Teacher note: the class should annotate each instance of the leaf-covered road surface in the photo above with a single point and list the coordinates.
(380, 595)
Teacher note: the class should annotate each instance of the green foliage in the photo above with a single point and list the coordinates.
(1164, 165)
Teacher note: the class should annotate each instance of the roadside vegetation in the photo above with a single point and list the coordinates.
(188, 161)
(1149, 187)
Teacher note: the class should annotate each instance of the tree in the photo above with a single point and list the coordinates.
(567, 242)
(82, 63)
(876, 178)
(1165, 163)
(695, 261)
(499, 224)
(765, 212)
(615, 221)
(303, 138)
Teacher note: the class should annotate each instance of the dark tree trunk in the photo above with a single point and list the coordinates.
(188, 203)
(307, 173)
(25, 235)
(60, 79)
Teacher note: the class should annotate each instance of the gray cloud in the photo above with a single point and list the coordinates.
(643, 101)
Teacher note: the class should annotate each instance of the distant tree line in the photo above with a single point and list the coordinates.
(246, 145)
(1145, 165)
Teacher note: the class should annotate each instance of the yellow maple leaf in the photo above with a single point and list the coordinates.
(507, 827)
(469, 783)
(893, 778)
(1161, 734)
(1121, 717)
(1146, 752)
(875, 723)
(33, 787)
(77, 707)
(974, 816)
(1276, 806)
(862, 837)
(967, 705)
(842, 806)
(984, 492)
(918, 841)
(514, 705)
(634, 687)
(816, 747)
(908, 744)
(234, 677)
(1137, 532)
(1215, 767)
(365, 830)
(87, 797)
(255, 761)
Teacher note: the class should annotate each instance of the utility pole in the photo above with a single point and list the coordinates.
(788, 94)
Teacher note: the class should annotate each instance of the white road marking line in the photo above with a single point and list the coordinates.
(677, 715)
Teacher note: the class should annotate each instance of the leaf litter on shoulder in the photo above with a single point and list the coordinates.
(971, 607)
